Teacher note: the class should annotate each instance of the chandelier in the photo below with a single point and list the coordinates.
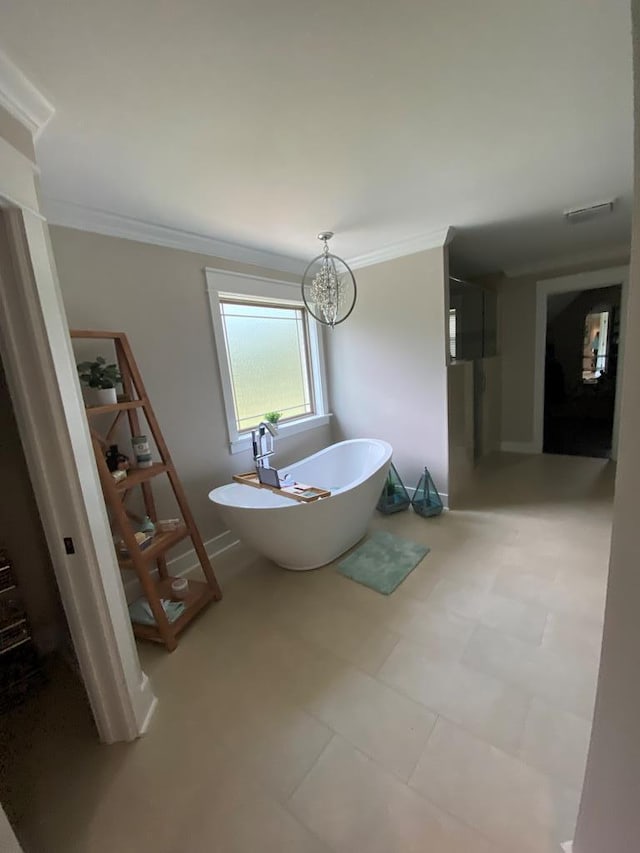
(328, 286)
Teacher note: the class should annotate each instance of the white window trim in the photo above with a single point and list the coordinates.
(223, 283)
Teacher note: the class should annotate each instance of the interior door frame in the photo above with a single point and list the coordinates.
(43, 383)
(565, 284)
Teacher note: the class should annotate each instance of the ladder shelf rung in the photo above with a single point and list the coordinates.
(114, 407)
(200, 594)
(135, 476)
(162, 542)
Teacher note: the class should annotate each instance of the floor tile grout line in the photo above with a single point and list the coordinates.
(416, 791)
(423, 750)
(441, 715)
(372, 758)
(314, 763)
(376, 674)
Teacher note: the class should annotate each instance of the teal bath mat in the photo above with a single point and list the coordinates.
(383, 561)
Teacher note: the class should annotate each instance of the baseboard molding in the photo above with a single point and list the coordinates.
(567, 846)
(518, 447)
(184, 563)
(444, 497)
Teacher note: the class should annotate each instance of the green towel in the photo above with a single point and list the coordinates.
(140, 610)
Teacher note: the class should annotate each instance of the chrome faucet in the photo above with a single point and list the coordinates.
(260, 455)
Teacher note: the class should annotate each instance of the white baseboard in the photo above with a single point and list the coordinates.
(182, 565)
(567, 846)
(444, 497)
(518, 447)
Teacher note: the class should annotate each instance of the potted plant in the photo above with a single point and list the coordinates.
(273, 418)
(99, 380)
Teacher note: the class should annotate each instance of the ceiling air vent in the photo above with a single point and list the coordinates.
(584, 214)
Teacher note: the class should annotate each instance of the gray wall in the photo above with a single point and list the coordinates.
(460, 404)
(609, 818)
(387, 364)
(157, 296)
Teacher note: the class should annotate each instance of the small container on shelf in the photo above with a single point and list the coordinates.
(148, 527)
(168, 525)
(143, 540)
(142, 451)
(180, 588)
(115, 460)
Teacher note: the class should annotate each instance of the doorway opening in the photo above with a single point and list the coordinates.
(40, 681)
(581, 371)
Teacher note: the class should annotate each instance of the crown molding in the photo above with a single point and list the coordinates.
(565, 261)
(433, 240)
(70, 215)
(112, 225)
(20, 97)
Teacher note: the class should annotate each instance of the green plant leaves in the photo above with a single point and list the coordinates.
(99, 374)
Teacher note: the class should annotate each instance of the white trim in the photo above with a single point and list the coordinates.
(567, 847)
(83, 218)
(518, 447)
(390, 251)
(444, 497)
(71, 215)
(564, 261)
(45, 391)
(221, 282)
(14, 188)
(286, 430)
(20, 97)
(565, 284)
(185, 563)
(243, 275)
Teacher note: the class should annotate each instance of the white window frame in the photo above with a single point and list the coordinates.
(223, 284)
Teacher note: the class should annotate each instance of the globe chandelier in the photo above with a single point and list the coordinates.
(328, 286)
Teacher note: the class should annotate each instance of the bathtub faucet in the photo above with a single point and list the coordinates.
(260, 455)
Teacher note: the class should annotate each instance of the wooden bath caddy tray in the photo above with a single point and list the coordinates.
(297, 492)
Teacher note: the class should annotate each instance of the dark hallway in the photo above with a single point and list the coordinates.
(583, 330)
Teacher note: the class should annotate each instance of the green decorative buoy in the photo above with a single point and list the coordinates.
(426, 501)
(394, 497)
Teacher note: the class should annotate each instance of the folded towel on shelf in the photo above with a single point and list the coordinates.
(140, 610)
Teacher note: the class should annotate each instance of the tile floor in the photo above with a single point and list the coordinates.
(307, 713)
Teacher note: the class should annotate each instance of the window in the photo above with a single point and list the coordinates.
(269, 353)
(268, 360)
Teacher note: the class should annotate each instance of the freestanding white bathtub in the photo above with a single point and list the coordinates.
(304, 536)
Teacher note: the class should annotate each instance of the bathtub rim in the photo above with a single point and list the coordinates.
(292, 504)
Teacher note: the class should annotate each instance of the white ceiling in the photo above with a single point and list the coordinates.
(261, 122)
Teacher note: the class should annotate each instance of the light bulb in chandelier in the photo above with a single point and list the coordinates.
(328, 286)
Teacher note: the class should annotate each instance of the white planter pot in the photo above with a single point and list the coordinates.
(99, 396)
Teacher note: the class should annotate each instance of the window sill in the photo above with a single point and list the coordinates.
(243, 443)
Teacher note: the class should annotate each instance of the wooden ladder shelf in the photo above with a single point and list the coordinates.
(156, 585)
